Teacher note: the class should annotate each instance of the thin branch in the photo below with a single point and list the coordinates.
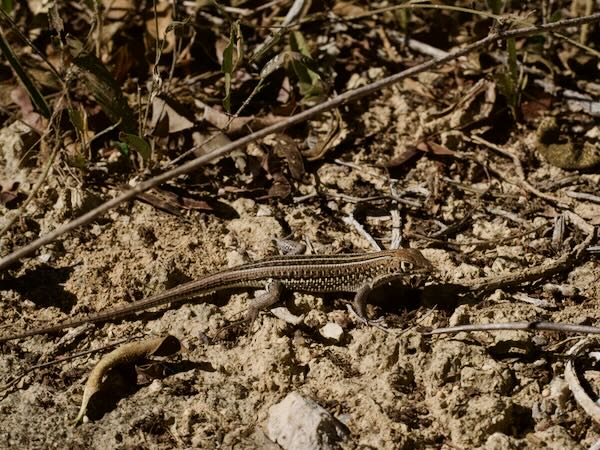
(584, 196)
(527, 326)
(566, 261)
(351, 220)
(335, 102)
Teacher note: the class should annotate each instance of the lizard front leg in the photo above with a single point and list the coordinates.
(359, 305)
(274, 289)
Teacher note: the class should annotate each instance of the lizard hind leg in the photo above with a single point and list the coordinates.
(273, 291)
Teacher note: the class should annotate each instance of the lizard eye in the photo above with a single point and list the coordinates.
(405, 266)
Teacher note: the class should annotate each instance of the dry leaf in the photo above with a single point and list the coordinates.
(285, 146)
(21, 98)
(418, 88)
(125, 355)
(221, 121)
(281, 187)
(436, 149)
(331, 133)
(165, 118)
(8, 193)
(157, 26)
(536, 107)
(405, 155)
(100, 82)
(475, 105)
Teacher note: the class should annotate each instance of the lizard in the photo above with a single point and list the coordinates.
(353, 272)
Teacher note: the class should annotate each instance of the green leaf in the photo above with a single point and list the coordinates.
(121, 146)
(310, 82)
(509, 90)
(277, 62)
(495, 6)
(508, 79)
(102, 86)
(403, 17)
(7, 5)
(137, 143)
(34, 93)
(229, 65)
(78, 161)
(512, 59)
(227, 69)
(555, 16)
(77, 119)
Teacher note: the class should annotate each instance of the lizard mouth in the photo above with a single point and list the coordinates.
(416, 279)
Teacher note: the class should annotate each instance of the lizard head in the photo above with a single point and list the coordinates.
(410, 260)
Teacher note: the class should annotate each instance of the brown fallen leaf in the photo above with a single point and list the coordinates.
(158, 20)
(6, 197)
(125, 355)
(536, 106)
(285, 146)
(331, 132)
(160, 201)
(118, 9)
(8, 193)
(21, 98)
(281, 187)
(434, 148)
(406, 155)
(174, 202)
(418, 88)
(224, 122)
(165, 118)
(99, 81)
(233, 125)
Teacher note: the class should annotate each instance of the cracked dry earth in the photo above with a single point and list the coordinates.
(394, 389)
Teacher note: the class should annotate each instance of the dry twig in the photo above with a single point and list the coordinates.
(526, 326)
(568, 260)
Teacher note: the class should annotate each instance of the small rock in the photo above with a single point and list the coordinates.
(264, 211)
(45, 257)
(298, 423)
(332, 331)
